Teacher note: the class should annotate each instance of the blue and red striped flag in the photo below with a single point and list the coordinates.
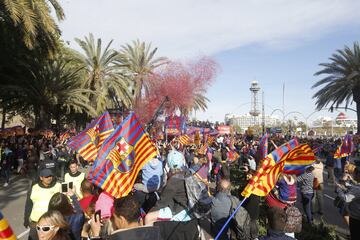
(346, 147)
(299, 159)
(88, 142)
(202, 173)
(263, 145)
(175, 125)
(121, 157)
(279, 152)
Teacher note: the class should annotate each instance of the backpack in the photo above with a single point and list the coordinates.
(240, 224)
(199, 200)
(293, 220)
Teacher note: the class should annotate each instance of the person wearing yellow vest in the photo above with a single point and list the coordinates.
(76, 177)
(38, 199)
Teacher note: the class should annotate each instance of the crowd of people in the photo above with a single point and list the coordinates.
(63, 204)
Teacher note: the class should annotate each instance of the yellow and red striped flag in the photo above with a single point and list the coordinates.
(184, 139)
(267, 175)
(210, 139)
(6, 232)
(121, 157)
(202, 149)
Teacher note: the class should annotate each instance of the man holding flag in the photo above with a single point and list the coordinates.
(288, 158)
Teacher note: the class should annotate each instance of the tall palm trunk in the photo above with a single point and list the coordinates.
(41, 117)
(358, 116)
(356, 98)
(3, 118)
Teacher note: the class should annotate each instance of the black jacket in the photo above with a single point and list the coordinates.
(139, 233)
(174, 194)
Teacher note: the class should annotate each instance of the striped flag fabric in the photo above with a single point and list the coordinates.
(346, 147)
(184, 139)
(64, 136)
(121, 157)
(175, 124)
(299, 159)
(210, 139)
(88, 142)
(263, 145)
(202, 173)
(6, 233)
(232, 155)
(265, 177)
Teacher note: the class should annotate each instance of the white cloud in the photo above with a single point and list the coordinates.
(185, 28)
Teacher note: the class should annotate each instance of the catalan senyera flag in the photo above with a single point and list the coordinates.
(263, 146)
(202, 149)
(6, 232)
(346, 147)
(266, 176)
(64, 136)
(121, 157)
(210, 139)
(184, 139)
(88, 142)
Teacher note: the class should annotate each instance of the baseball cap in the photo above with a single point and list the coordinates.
(46, 172)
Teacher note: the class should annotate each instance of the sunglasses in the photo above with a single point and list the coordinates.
(44, 228)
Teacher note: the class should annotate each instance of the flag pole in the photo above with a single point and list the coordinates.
(229, 219)
(273, 144)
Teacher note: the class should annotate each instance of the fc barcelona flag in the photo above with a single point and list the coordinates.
(263, 146)
(175, 125)
(346, 147)
(121, 157)
(88, 142)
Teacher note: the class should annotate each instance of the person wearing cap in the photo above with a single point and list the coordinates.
(38, 198)
(173, 202)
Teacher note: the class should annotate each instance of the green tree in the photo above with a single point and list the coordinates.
(139, 60)
(50, 90)
(341, 83)
(103, 75)
(33, 20)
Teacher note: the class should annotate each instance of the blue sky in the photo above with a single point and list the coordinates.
(272, 68)
(271, 41)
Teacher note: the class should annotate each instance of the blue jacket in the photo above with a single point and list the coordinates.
(76, 220)
(275, 235)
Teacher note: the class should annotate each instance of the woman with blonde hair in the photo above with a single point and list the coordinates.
(52, 226)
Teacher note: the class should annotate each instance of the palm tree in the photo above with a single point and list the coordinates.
(34, 20)
(199, 102)
(139, 60)
(342, 81)
(53, 90)
(103, 76)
